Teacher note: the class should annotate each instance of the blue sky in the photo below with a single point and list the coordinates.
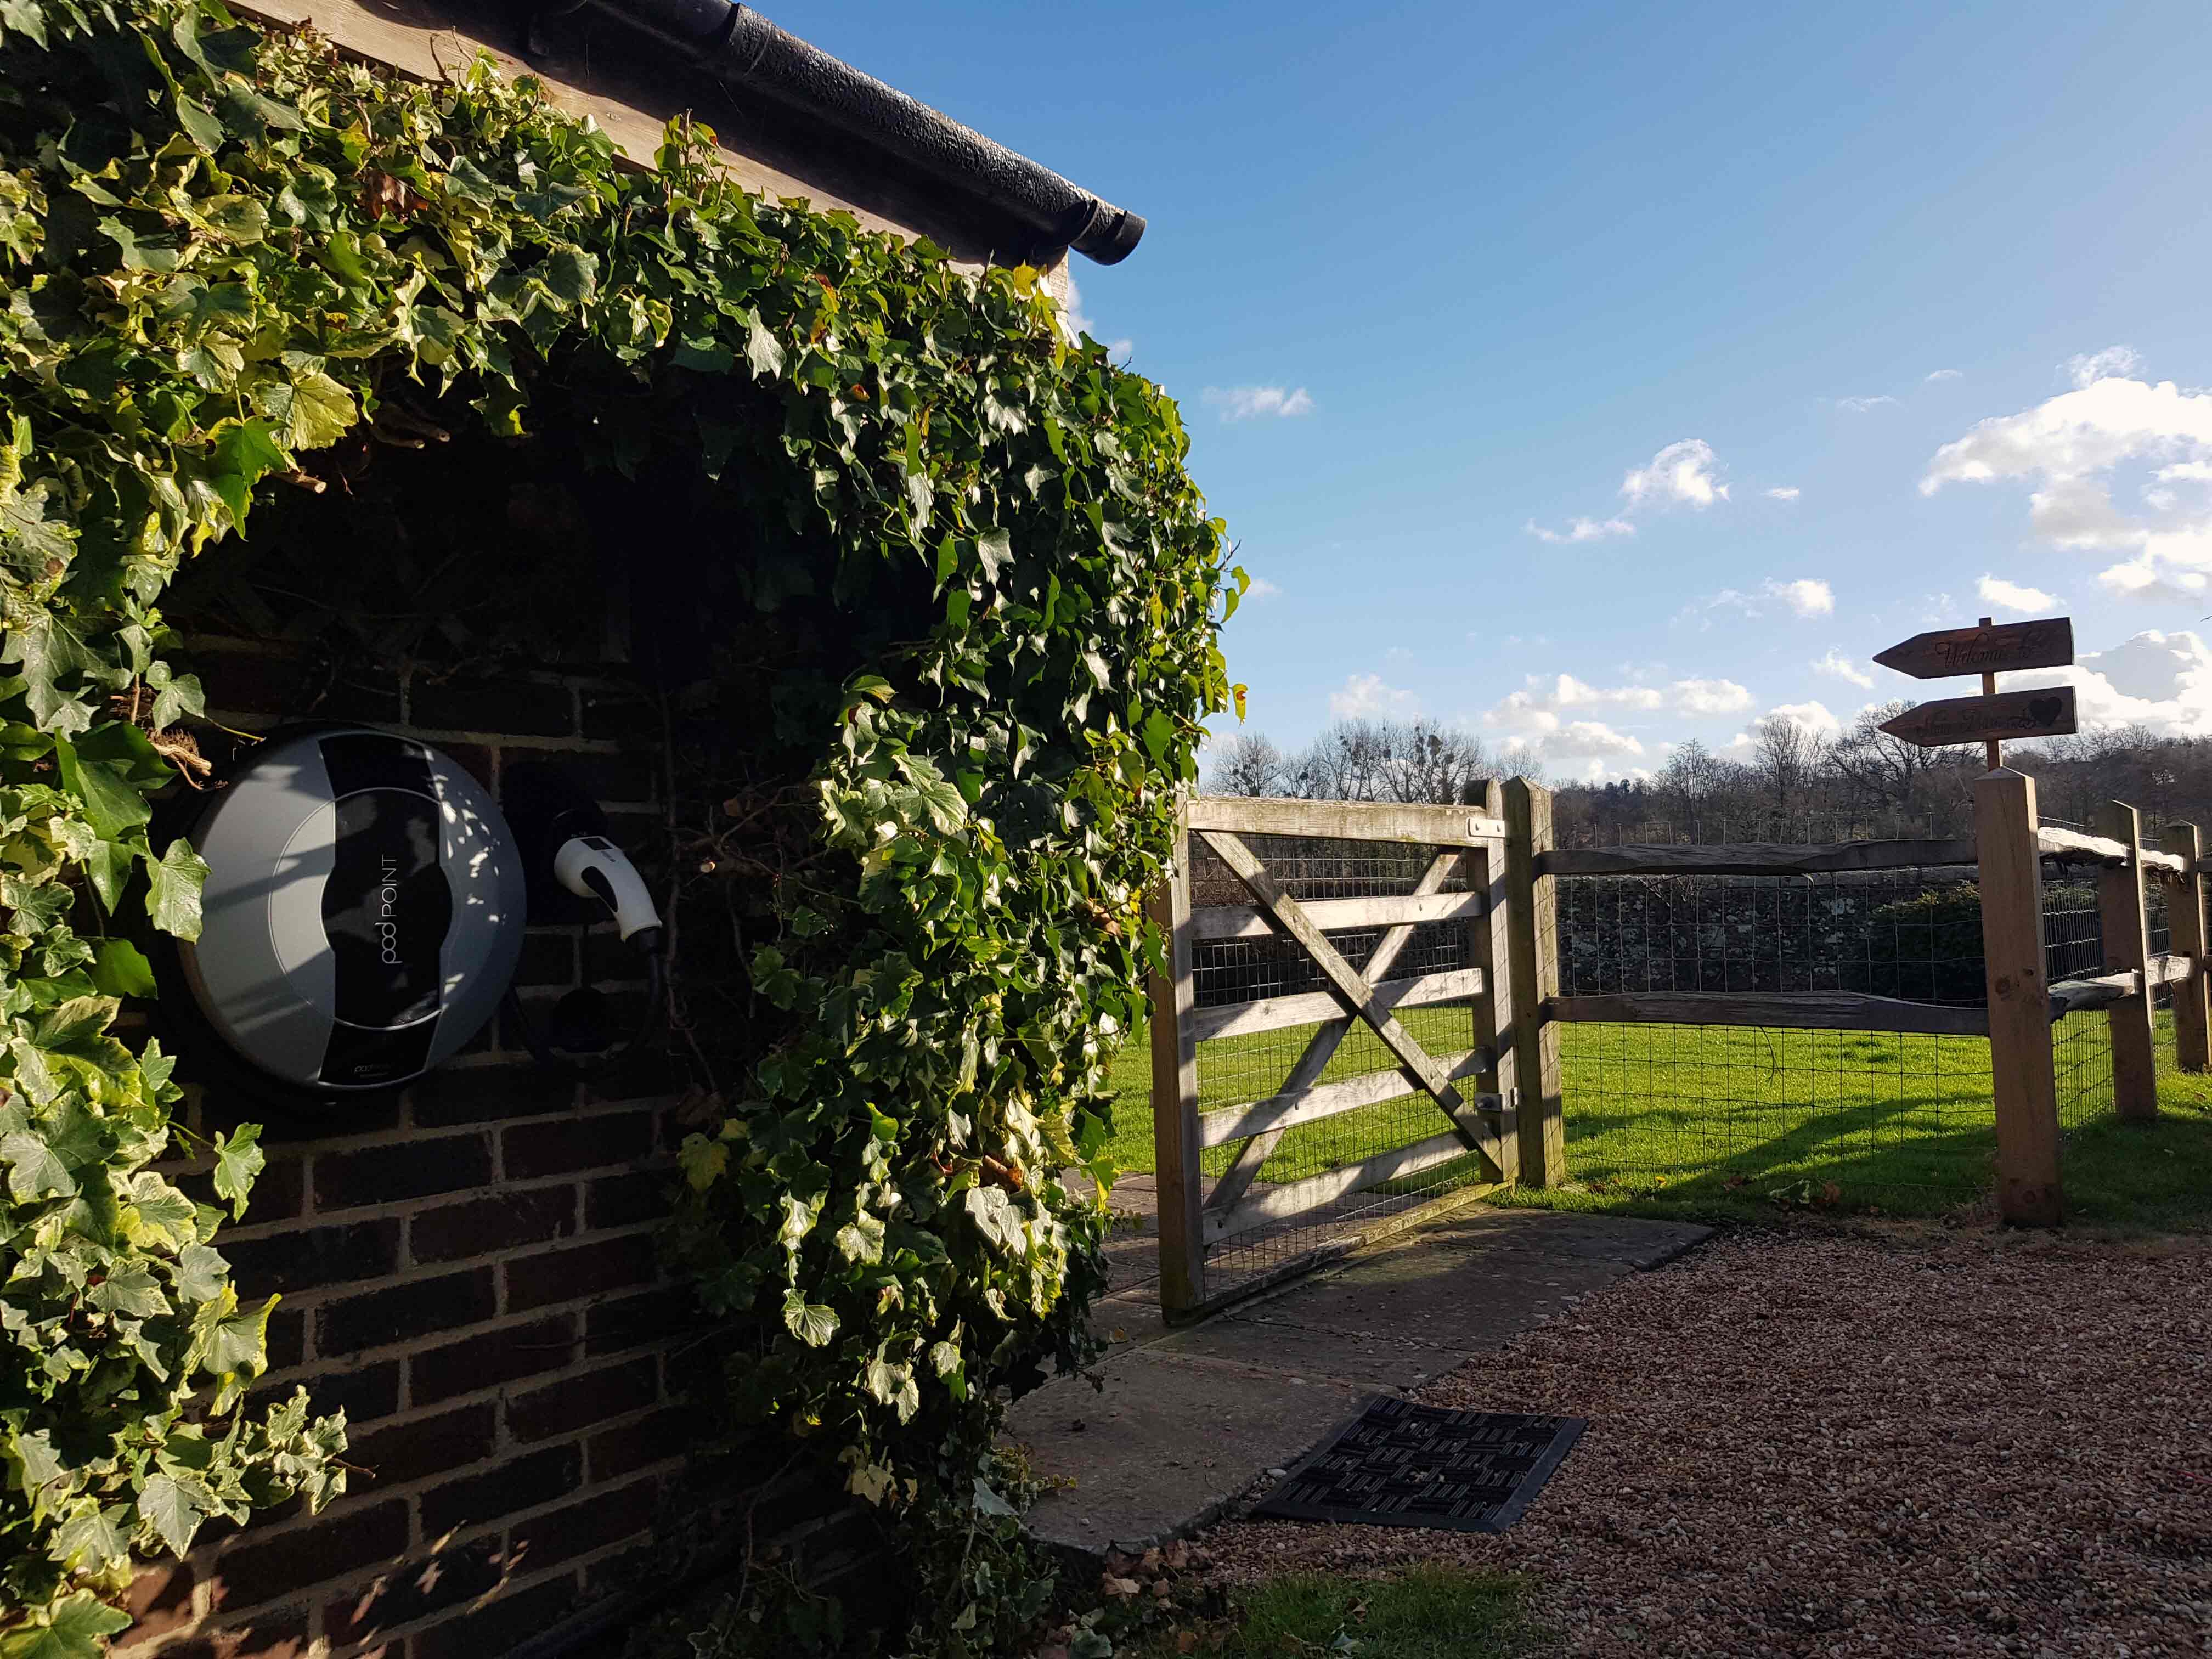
(1430, 281)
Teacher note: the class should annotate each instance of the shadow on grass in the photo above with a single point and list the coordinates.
(1722, 1125)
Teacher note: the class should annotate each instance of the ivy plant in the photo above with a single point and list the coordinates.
(958, 602)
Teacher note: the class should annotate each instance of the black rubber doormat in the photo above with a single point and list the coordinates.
(1398, 1464)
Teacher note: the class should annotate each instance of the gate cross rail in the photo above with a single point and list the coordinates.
(1357, 995)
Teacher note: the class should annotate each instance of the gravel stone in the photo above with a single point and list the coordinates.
(1898, 1443)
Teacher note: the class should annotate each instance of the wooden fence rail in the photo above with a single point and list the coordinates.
(1500, 1097)
(2008, 849)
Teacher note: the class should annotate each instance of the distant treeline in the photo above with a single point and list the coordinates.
(1791, 783)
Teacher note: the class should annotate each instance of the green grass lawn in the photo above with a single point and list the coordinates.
(1725, 1123)
(1427, 1613)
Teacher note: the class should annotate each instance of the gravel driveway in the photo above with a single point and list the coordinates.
(1812, 1444)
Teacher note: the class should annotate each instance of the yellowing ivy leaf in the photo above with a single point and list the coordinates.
(309, 412)
(809, 1322)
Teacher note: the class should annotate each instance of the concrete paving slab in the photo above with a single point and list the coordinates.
(1187, 1420)
(1166, 1446)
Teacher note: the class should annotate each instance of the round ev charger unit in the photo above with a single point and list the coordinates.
(363, 912)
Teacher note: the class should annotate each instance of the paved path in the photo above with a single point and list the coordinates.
(1188, 1418)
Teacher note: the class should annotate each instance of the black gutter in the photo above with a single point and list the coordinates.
(742, 49)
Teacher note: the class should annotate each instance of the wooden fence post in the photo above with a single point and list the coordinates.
(1174, 1091)
(1488, 947)
(1533, 933)
(2121, 915)
(2185, 911)
(2025, 1089)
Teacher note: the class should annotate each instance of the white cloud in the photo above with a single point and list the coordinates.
(1860, 405)
(1246, 403)
(1588, 740)
(1074, 320)
(1807, 596)
(1814, 717)
(1538, 709)
(2011, 596)
(1583, 530)
(1682, 472)
(1364, 695)
(1709, 697)
(2089, 430)
(2068, 443)
(1261, 588)
(2085, 368)
(2140, 579)
(2163, 681)
(1945, 374)
(1843, 668)
(1784, 493)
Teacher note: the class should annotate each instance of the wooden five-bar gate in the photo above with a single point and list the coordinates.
(1496, 1092)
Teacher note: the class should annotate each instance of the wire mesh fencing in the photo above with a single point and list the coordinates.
(1799, 1115)
(1243, 1070)
(1902, 1120)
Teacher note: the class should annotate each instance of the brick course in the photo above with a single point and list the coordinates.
(467, 1267)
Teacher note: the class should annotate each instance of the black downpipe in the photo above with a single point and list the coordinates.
(741, 48)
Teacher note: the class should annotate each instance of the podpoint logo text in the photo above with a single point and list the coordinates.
(388, 902)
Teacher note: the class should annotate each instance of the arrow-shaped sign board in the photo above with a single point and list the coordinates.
(1994, 649)
(2047, 712)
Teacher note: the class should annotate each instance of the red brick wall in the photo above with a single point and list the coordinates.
(468, 1268)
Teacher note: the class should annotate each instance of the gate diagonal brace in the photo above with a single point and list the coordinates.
(1345, 983)
(1322, 1047)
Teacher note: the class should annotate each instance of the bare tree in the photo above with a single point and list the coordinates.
(1790, 755)
(1392, 760)
(1865, 782)
(1424, 761)
(1892, 772)
(1344, 763)
(1249, 764)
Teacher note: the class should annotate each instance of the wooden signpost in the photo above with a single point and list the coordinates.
(1986, 719)
(1984, 650)
(1993, 716)
(2008, 843)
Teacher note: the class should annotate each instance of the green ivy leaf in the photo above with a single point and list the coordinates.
(239, 1160)
(77, 1628)
(157, 252)
(236, 1346)
(93, 1539)
(573, 274)
(108, 865)
(762, 352)
(120, 969)
(113, 806)
(995, 548)
(50, 653)
(173, 897)
(132, 1292)
(201, 1272)
(199, 124)
(176, 1508)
